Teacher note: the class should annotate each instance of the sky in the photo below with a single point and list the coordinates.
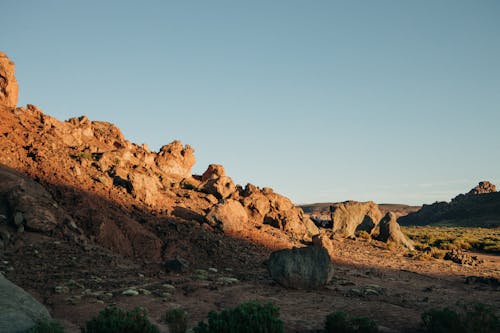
(391, 101)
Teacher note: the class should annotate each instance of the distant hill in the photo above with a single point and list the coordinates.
(480, 207)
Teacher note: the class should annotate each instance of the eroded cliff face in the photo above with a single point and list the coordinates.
(121, 194)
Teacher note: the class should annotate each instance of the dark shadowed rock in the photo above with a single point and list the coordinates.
(301, 268)
(19, 311)
(390, 231)
(177, 265)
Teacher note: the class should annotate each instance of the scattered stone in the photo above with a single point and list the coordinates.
(462, 258)
(130, 292)
(61, 289)
(168, 286)
(227, 280)
(144, 291)
(301, 268)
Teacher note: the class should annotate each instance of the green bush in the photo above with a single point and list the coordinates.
(442, 321)
(338, 322)
(114, 320)
(176, 320)
(46, 326)
(250, 317)
(475, 318)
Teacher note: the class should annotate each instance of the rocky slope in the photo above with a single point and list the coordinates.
(479, 207)
(118, 194)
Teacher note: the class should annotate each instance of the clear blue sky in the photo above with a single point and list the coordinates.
(391, 101)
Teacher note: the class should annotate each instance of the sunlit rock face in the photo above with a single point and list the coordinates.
(8, 82)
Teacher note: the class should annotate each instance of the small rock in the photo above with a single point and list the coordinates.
(61, 289)
(168, 286)
(144, 291)
(130, 292)
(227, 280)
(212, 270)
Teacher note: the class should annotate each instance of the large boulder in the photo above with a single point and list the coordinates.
(213, 171)
(350, 216)
(230, 216)
(301, 268)
(176, 160)
(8, 82)
(221, 188)
(19, 311)
(390, 232)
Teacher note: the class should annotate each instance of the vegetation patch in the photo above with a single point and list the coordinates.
(115, 320)
(250, 317)
(339, 322)
(450, 238)
(473, 318)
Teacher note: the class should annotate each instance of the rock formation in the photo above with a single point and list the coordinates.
(390, 232)
(301, 268)
(479, 207)
(118, 193)
(19, 311)
(350, 216)
(8, 82)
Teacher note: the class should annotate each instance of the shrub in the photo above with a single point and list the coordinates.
(114, 320)
(338, 322)
(442, 321)
(176, 320)
(475, 318)
(250, 317)
(46, 326)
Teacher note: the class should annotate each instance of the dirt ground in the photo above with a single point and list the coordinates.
(76, 281)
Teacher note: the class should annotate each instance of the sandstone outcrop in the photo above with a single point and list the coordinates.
(19, 311)
(479, 207)
(350, 216)
(8, 82)
(390, 232)
(301, 268)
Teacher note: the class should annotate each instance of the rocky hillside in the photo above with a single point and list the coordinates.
(479, 207)
(82, 179)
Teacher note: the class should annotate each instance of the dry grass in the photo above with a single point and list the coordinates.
(448, 238)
